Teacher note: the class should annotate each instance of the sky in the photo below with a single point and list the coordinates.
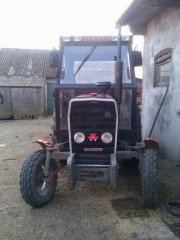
(39, 23)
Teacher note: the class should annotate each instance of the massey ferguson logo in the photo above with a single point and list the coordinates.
(93, 137)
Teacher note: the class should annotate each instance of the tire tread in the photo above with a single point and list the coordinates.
(26, 176)
(149, 178)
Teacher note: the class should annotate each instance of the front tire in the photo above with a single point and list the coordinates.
(148, 170)
(32, 180)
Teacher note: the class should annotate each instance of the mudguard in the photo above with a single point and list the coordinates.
(44, 143)
(151, 143)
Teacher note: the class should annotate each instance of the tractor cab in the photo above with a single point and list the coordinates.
(84, 63)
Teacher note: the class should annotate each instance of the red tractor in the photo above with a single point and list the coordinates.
(96, 122)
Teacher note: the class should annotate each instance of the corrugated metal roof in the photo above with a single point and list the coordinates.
(141, 12)
(25, 62)
(18, 81)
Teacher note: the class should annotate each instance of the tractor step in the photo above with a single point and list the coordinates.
(92, 168)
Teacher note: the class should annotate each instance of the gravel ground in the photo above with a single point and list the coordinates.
(91, 211)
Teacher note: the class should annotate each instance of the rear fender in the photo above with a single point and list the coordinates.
(151, 143)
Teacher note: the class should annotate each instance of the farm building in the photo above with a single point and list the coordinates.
(159, 22)
(26, 83)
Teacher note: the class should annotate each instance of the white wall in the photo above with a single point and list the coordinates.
(163, 32)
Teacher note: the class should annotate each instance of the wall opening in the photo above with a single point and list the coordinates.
(162, 68)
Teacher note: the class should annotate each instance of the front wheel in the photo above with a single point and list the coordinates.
(34, 189)
(148, 170)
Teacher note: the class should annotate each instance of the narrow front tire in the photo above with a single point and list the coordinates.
(34, 189)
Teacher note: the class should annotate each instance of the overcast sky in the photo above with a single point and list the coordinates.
(39, 23)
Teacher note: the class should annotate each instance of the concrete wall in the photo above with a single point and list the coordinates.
(163, 32)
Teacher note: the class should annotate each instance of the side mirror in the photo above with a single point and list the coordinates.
(137, 58)
(53, 59)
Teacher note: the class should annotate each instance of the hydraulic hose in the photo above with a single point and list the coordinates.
(158, 112)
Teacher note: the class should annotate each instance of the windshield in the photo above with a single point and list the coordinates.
(88, 64)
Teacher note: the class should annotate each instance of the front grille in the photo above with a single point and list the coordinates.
(93, 115)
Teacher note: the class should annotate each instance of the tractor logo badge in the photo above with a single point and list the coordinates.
(93, 137)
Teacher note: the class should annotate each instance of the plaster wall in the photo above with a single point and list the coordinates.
(163, 32)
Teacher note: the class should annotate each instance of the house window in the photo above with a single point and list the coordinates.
(162, 63)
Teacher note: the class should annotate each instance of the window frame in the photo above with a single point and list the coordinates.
(161, 58)
(62, 85)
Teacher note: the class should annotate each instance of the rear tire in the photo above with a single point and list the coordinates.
(138, 125)
(148, 170)
(53, 138)
(32, 179)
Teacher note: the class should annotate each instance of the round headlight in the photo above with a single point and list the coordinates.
(106, 137)
(79, 137)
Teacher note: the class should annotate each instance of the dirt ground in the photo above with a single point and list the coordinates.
(91, 211)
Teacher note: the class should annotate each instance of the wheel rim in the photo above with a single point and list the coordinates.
(42, 186)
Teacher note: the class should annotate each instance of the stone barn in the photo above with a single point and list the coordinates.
(26, 83)
(159, 22)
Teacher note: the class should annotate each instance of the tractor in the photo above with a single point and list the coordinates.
(96, 124)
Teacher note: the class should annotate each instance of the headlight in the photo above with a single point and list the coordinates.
(106, 137)
(79, 137)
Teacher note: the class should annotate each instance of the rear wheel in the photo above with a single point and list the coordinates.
(34, 189)
(148, 169)
(53, 138)
(138, 126)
